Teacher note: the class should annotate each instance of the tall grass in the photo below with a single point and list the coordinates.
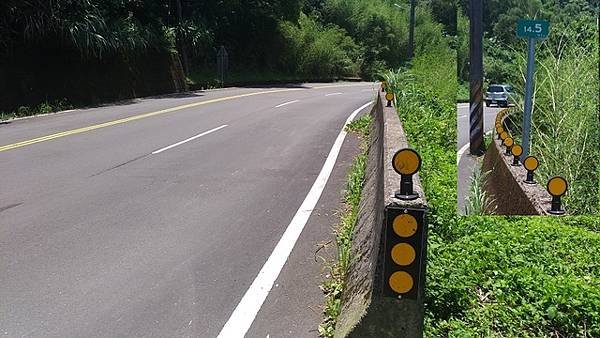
(565, 126)
(479, 201)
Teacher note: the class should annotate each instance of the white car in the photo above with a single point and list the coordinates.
(498, 94)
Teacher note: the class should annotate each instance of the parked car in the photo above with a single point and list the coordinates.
(499, 94)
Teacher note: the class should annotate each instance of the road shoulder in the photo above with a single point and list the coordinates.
(295, 304)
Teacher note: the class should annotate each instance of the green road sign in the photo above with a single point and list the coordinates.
(537, 29)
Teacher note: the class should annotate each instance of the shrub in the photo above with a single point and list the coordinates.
(317, 50)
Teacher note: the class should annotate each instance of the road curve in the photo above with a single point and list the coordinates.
(155, 226)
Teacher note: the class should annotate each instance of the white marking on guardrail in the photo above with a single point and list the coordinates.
(243, 316)
(332, 94)
(188, 140)
(286, 103)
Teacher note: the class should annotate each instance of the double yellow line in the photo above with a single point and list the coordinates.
(134, 118)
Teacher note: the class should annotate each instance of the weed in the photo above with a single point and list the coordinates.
(334, 286)
(479, 202)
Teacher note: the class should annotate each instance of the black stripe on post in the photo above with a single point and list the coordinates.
(476, 145)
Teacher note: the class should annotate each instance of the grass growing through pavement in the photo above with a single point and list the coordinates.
(492, 276)
(479, 202)
(334, 286)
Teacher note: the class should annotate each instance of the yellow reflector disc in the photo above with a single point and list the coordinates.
(389, 96)
(517, 150)
(405, 225)
(500, 131)
(557, 186)
(503, 135)
(401, 282)
(531, 163)
(403, 254)
(406, 162)
(509, 142)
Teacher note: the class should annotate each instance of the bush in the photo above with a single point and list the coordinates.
(319, 51)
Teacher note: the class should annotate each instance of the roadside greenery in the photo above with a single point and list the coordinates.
(98, 51)
(42, 108)
(334, 286)
(492, 276)
(565, 124)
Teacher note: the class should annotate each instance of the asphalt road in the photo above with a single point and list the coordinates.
(466, 162)
(144, 220)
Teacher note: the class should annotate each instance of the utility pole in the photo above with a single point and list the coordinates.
(476, 145)
(411, 30)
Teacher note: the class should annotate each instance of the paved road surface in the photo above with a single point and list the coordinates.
(466, 162)
(155, 225)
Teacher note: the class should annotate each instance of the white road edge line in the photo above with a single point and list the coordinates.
(188, 140)
(460, 153)
(245, 312)
(286, 103)
(331, 94)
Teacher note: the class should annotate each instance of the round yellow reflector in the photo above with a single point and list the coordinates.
(509, 142)
(389, 96)
(403, 254)
(401, 282)
(503, 135)
(557, 186)
(405, 225)
(517, 150)
(531, 163)
(406, 161)
(500, 130)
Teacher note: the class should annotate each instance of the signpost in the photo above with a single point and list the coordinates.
(531, 30)
(222, 63)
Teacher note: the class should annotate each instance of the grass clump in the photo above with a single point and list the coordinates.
(334, 286)
(479, 202)
(43, 108)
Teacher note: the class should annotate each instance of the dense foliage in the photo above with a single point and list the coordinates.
(265, 39)
(492, 276)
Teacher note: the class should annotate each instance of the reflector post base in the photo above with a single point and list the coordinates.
(529, 179)
(556, 208)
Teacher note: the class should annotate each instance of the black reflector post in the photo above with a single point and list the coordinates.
(530, 163)
(405, 253)
(557, 187)
(406, 162)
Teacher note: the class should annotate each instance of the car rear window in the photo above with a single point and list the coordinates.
(495, 89)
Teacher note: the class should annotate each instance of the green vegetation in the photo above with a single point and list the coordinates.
(492, 276)
(43, 108)
(334, 286)
(565, 125)
(479, 202)
(97, 51)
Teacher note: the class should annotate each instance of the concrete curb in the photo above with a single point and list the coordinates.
(505, 183)
(364, 310)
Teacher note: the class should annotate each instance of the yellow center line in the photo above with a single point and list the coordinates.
(134, 118)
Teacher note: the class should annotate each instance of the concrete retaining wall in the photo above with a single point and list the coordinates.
(365, 312)
(505, 183)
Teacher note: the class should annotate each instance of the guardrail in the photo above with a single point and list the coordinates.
(512, 179)
(384, 287)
